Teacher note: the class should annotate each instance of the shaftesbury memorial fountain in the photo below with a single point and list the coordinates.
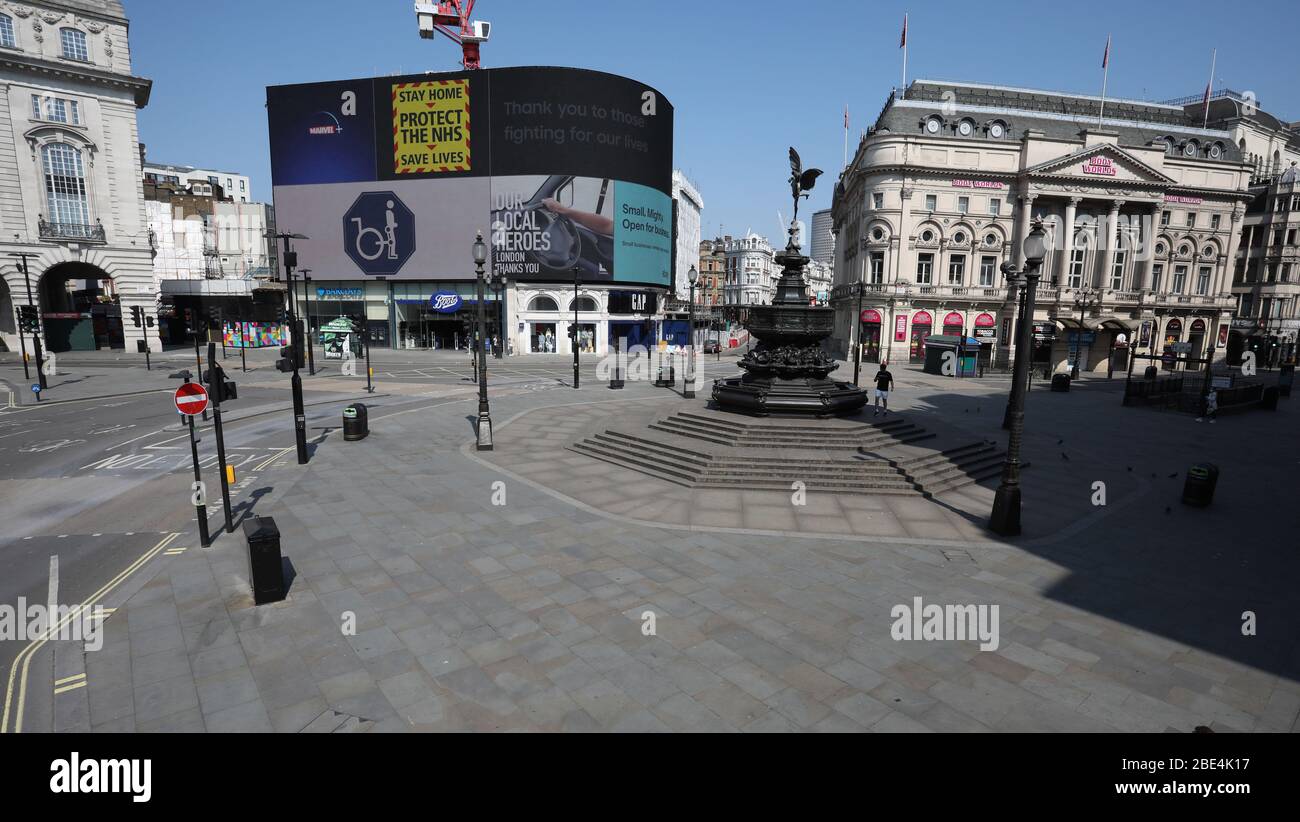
(788, 371)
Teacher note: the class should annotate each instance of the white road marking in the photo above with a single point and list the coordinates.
(52, 598)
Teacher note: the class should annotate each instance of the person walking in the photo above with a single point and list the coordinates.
(884, 384)
(1211, 407)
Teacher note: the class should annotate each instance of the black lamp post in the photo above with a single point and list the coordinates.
(484, 416)
(1012, 274)
(573, 336)
(295, 334)
(1005, 517)
(306, 303)
(688, 377)
(1082, 297)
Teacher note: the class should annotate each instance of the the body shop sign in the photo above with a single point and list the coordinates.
(1099, 165)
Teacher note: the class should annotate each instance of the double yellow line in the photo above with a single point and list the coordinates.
(24, 658)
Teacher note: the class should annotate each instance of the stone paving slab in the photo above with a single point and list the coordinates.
(416, 603)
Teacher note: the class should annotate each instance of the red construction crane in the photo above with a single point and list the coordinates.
(451, 18)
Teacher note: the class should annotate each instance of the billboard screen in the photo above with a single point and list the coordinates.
(559, 168)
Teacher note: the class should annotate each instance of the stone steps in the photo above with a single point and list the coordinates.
(688, 468)
(767, 435)
(953, 468)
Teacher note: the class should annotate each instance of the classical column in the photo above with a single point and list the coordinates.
(904, 231)
(1149, 261)
(1112, 240)
(1022, 226)
(1067, 242)
(1223, 284)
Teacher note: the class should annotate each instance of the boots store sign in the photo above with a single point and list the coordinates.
(388, 178)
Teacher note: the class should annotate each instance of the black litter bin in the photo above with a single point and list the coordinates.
(356, 422)
(1198, 490)
(1150, 373)
(1268, 402)
(265, 570)
(1060, 382)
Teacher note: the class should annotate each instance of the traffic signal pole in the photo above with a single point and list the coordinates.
(36, 332)
(22, 345)
(299, 411)
(216, 388)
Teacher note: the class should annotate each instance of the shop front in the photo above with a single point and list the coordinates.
(922, 325)
(986, 330)
(869, 334)
(441, 316)
(954, 324)
(1173, 333)
(1196, 336)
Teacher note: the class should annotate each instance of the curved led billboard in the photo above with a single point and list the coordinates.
(559, 168)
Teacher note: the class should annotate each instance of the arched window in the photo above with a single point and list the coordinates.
(543, 304)
(74, 44)
(584, 304)
(7, 38)
(65, 184)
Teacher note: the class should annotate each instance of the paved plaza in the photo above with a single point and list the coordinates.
(436, 588)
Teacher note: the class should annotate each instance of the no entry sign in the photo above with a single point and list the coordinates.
(191, 398)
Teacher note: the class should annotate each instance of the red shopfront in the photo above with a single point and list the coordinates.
(954, 324)
(1173, 333)
(986, 331)
(922, 325)
(869, 334)
(1196, 336)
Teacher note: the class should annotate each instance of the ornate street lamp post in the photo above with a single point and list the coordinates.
(1005, 517)
(484, 415)
(499, 283)
(290, 258)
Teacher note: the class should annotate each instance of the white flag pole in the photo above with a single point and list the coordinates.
(1209, 88)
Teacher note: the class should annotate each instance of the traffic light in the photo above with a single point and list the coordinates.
(137, 316)
(214, 317)
(220, 388)
(28, 319)
(288, 354)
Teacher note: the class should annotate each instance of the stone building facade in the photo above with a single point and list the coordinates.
(70, 175)
(1144, 210)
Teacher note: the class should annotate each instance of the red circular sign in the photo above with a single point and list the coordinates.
(921, 318)
(869, 315)
(1198, 326)
(954, 318)
(985, 320)
(191, 399)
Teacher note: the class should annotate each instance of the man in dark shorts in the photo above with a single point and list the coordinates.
(884, 384)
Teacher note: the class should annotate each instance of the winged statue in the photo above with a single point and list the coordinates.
(801, 182)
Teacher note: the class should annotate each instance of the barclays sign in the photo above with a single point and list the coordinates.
(445, 302)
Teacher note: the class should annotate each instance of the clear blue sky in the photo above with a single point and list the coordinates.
(747, 77)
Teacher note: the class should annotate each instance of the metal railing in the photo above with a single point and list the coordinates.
(72, 231)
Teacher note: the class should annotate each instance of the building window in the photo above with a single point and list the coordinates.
(1164, 218)
(1290, 237)
(995, 206)
(988, 270)
(65, 184)
(1214, 221)
(1117, 271)
(963, 205)
(931, 202)
(1075, 278)
(74, 44)
(876, 274)
(1286, 272)
(56, 109)
(242, 184)
(1157, 273)
(7, 38)
(1203, 280)
(957, 269)
(1191, 219)
(1180, 278)
(924, 268)
(877, 200)
(543, 304)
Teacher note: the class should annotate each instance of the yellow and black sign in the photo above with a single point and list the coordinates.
(431, 130)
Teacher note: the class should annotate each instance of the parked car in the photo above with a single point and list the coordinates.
(711, 347)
